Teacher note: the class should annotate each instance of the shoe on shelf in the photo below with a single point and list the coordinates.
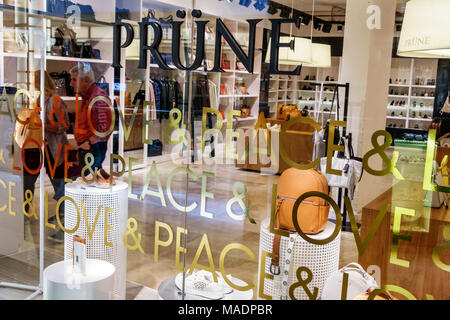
(57, 237)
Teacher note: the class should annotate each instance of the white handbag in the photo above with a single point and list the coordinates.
(350, 167)
(201, 283)
(359, 281)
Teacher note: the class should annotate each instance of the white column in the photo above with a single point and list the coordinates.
(366, 65)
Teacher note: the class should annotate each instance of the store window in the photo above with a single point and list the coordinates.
(223, 150)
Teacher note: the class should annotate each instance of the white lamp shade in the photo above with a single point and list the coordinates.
(321, 56)
(426, 29)
(300, 55)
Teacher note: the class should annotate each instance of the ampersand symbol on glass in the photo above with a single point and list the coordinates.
(31, 205)
(238, 197)
(60, 112)
(174, 123)
(379, 149)
(89, 159)
(132, 226)
(304, 284)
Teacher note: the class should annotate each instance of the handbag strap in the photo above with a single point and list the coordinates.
(353, 266)
(275, 263)
(287, 264)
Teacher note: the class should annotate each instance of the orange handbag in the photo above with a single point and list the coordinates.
(293, 114)
(312, 214)
(280, 111)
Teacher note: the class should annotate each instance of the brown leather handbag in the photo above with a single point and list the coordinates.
(312, 214)
(283, 111)
(293, 114)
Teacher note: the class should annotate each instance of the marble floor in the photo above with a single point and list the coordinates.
(208, 227)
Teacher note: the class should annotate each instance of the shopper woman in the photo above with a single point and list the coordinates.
(56, 124)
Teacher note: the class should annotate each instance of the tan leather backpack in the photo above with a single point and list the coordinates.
(312, 214)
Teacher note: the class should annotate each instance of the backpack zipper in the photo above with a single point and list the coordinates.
(292, 199)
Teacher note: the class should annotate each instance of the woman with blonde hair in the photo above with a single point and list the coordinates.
(56, 123)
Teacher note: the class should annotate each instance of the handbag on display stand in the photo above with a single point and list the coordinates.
(312, 215)
(62, 82)
(66, 38)
(87, 51)
(351, 167)
(102, 84)
(359, 281)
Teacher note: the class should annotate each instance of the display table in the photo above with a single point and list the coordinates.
(298, 142)
(168, 291)
(422, 276)
(96, 247)
(322, 260)
(61, 283)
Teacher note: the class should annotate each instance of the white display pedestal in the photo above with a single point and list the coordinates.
(92, 198)
(322, 260)
(61, 283)
(167, 290)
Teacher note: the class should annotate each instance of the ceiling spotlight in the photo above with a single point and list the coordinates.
(326, 27)
(306, 20)
(285, 13)
(340, 27)
(296, 15)
(272, 9)
(317, 25)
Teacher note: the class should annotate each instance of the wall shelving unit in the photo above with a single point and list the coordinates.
(296, 90)
(411, 93)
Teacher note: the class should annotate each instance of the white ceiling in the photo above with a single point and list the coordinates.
(319, 5)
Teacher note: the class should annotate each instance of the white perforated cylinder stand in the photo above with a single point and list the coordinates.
(111, 249)
(322, 260)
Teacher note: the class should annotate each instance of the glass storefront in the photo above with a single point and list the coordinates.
(224, 150)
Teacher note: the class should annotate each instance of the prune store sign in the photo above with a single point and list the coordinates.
(221, 32)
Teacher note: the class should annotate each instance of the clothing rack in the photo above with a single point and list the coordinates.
(342, 192)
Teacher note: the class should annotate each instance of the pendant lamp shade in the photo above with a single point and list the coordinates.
(300, 55)
(426, 30)
(321, 56)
